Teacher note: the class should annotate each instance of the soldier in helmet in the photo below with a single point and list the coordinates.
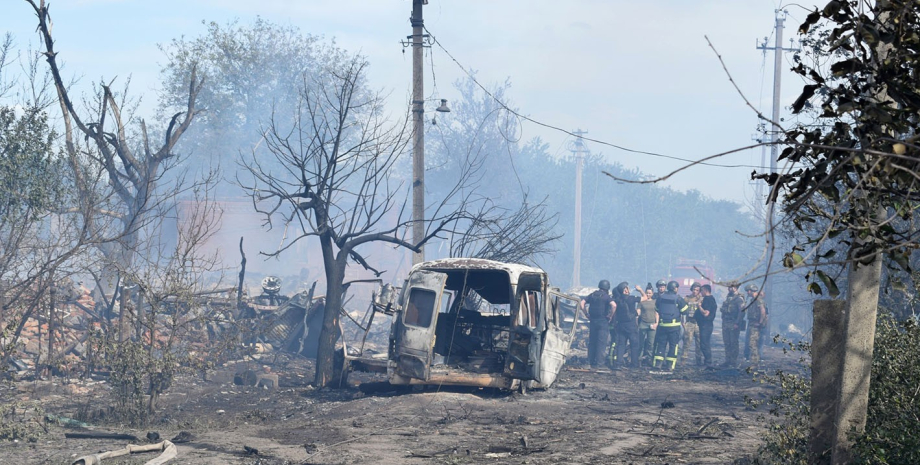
(627, 329)
(670, 308)
(600, 308)
(732, 324)
(757, 322)
(691, 328)
(660, 285)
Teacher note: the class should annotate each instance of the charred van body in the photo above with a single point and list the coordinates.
(476, 322)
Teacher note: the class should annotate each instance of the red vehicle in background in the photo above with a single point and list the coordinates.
(686, 272)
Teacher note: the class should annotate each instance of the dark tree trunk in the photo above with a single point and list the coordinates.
(334, 265)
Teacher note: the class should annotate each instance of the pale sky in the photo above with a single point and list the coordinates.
(635, 74)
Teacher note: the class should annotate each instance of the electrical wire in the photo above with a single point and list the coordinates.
(570, 133)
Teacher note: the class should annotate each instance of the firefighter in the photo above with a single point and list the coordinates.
(691, 328)
(757, 322)
(670, 308)
(600, 310)
(732, 324)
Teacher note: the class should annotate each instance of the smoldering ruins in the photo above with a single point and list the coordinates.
(234, 281)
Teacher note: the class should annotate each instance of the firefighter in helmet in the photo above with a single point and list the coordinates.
(670, 307)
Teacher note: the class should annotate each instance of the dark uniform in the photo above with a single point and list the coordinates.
(670, 307)
(598, 303)
(627, 328)
(706, 325)
(732, 322)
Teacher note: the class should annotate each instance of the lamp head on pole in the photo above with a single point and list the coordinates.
(443, 108)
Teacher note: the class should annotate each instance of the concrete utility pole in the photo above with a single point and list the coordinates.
(759, 195)
(578, 149)
(778, 50)
(418, 142)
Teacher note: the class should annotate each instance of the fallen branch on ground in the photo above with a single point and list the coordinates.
(100, 435)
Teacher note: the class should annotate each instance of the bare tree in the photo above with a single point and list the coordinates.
(171, 318)
(333, 177)
(133, 168)
(496, 234)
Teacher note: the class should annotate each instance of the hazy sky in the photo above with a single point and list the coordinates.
(635, 74)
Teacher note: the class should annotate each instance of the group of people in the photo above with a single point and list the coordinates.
(647, 328)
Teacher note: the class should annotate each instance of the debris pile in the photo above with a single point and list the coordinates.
(262, 324)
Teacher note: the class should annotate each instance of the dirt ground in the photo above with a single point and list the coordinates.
(631, 416)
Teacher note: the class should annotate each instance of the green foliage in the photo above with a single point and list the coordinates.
(854, 167)
(894, 403)
(28, 168)
(894, 398)
(21, 421)
(131, 369)
(786, 440)
(252, 74)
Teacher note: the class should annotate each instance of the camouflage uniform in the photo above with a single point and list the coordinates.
(692, 330)
(757, 322)
(732, 316)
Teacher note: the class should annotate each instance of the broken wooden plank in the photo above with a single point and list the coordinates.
(100, 435)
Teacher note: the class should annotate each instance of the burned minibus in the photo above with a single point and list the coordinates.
(475, 322)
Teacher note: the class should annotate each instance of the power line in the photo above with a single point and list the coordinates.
(559, 129)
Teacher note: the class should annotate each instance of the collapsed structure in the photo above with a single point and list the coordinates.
(459, 321)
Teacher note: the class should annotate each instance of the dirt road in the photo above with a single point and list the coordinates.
(633, 416)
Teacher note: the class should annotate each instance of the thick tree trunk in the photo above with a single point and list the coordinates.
(859, 339)
(826, 361)
(335, 277)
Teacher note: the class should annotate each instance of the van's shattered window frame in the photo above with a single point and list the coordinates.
(414, 314)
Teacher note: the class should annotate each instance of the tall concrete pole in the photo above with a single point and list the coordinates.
(775, 133)
(777, 80)
(579, 167)
(418, 142)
